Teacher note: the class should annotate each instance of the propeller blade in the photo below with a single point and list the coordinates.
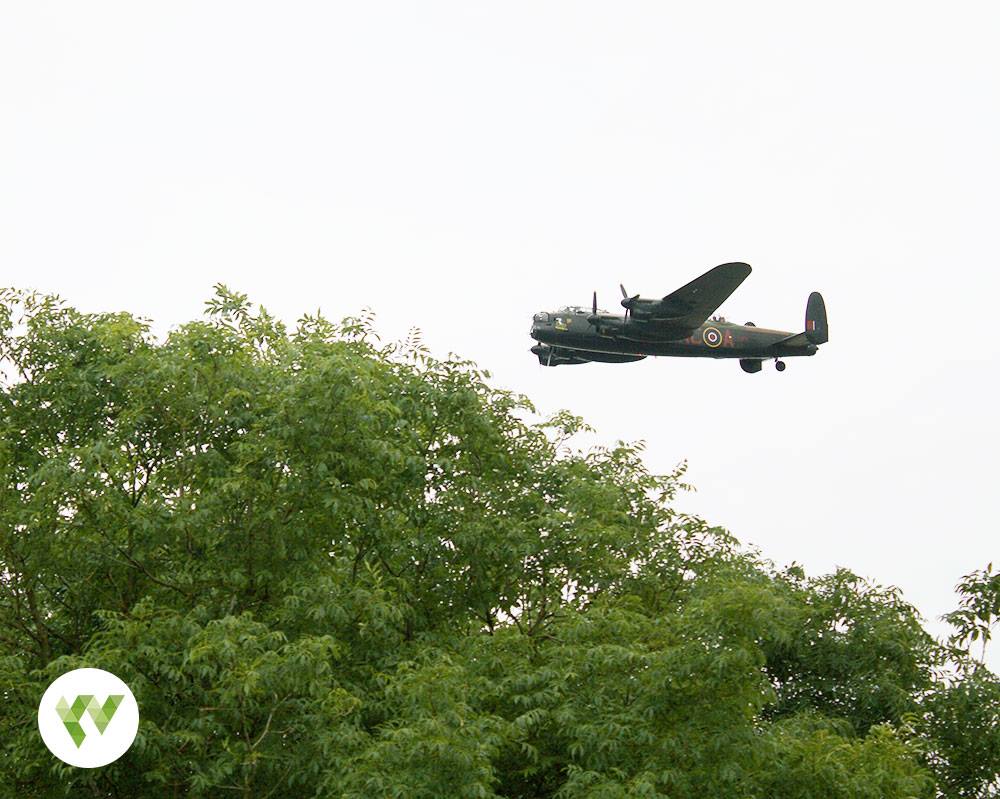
(594, 319)
(627, 301)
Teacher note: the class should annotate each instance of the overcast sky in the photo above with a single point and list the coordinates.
(458, 166)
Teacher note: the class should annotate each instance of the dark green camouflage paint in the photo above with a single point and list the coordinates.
(569, 336)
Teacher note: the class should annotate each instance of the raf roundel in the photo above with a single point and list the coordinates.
(680, 324)
(712, 337)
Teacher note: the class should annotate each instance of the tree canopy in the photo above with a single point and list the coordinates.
(328, 566)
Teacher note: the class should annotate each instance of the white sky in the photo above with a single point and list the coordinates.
(458, 166)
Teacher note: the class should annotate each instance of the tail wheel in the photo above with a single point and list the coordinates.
(779, 365)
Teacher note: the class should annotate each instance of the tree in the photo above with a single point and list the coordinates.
(960, 717)
(979, 610)
(328, 566)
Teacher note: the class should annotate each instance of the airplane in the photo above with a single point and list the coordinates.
(679, 324)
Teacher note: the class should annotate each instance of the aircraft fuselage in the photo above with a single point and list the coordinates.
(570, 329)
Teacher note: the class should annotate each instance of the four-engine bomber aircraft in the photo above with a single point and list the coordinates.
(677, 325)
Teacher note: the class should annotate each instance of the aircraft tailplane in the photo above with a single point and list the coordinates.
(817, 331)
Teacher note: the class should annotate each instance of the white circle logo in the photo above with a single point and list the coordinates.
(88, 718)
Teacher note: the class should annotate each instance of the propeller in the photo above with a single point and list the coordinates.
(627, 301)
(594, 319)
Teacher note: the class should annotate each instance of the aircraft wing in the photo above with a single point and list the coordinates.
(692, 304)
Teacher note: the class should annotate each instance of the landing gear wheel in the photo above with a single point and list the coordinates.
(779, 365)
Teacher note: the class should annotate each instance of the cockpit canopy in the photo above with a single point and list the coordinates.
(545, 317)
(579, 310)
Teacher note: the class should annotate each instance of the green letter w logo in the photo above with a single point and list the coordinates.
(101, 714)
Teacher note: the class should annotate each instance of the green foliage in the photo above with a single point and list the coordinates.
(979, 611)
(858, 651)
(960, 722)
(329, 566)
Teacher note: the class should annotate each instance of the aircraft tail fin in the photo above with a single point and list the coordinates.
(817, 329)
